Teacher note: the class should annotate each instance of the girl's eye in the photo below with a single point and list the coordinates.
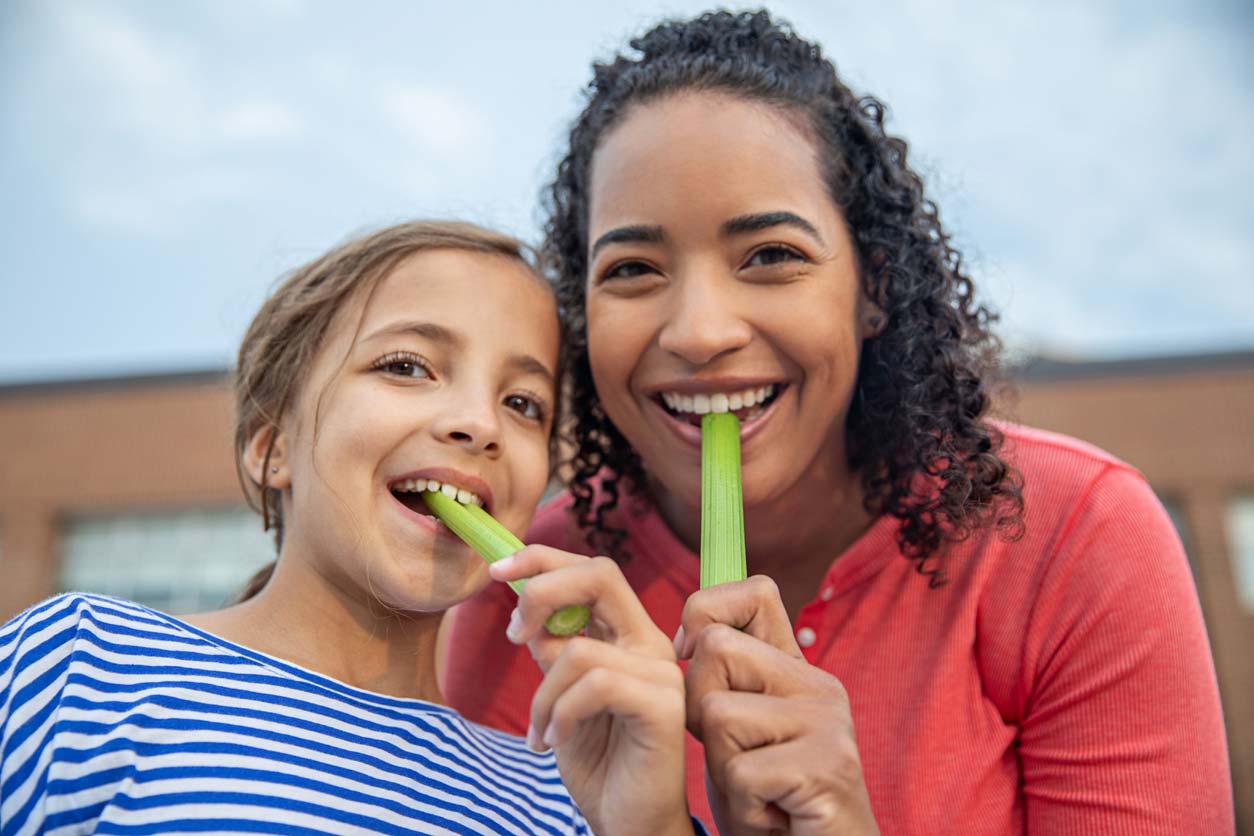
(403, 365)
(525, 406)
(628, 270)
(773, 254)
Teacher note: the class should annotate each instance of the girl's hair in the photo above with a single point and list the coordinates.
(287, 332)
(916, 427)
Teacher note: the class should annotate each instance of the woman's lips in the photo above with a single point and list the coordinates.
(691, 433)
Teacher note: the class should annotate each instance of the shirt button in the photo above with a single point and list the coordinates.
(805, 637)
(827, 593)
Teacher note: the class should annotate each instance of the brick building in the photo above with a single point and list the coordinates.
(128, 487)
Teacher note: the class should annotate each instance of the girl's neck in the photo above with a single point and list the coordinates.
(304, 618)
(794, 537)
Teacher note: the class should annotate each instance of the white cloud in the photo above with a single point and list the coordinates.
(441, 121)
(260, 121)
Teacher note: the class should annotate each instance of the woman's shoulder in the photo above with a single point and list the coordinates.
(1054, 457)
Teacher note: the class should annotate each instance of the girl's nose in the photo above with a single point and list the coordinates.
(472, 426)
(704, 322)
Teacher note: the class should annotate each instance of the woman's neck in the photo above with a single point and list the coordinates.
(793, 538)
(302, 617)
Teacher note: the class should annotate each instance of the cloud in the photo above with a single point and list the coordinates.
(260, 121)
(439, 120)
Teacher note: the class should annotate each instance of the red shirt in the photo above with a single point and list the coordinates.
(1062, 683)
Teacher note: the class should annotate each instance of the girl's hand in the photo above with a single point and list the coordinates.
(612, 702)
(779, 745)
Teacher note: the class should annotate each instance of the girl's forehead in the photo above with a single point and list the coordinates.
(471, 294)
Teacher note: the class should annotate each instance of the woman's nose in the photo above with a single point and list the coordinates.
(703, 321)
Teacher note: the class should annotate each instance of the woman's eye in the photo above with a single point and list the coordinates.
(525, 406)
(768, 256)
(404, 366)
(628, 270)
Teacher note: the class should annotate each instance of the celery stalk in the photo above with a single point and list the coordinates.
(722, 508)
(493, 542)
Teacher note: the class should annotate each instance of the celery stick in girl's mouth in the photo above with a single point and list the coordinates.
(493, 541)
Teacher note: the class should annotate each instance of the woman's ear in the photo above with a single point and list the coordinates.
(871, 319)
(265, 458)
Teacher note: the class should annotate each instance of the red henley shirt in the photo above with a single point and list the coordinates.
(1060, 684)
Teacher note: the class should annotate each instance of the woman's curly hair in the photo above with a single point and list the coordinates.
(916, 427)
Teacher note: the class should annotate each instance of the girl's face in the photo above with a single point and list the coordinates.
(445, 372)
(719, 266)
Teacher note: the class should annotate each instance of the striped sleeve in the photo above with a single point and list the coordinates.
(35, 652)
(118, 719)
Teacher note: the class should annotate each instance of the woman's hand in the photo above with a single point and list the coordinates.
(612, 702)
(779, 744)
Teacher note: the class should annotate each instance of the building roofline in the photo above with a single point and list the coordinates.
(78, 385)
(1045, 367)
(1036, 367)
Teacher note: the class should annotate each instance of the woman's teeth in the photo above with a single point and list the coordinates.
(702, 404)
(462, 495)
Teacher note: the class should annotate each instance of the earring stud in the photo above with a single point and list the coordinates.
(274, 470)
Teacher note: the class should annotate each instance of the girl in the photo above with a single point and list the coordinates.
(422, 357)
(968, 627)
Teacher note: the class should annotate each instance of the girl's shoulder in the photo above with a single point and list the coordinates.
(50, 630)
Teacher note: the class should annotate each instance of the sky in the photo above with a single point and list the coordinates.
(161, 164)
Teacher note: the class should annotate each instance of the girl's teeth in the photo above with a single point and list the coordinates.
(719, 403)
(462, 495)
(735, 401)
(700, 404)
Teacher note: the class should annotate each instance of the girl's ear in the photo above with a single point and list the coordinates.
(265, 458)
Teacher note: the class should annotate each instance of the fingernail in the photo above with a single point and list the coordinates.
(548, 737)
(679, 641)
(533, 740)
(501, 566)
(514, 630)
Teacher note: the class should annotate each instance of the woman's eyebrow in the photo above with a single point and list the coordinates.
(765, 220)
(629, 235)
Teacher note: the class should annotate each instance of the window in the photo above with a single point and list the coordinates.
(1241, 547)
(177, 562)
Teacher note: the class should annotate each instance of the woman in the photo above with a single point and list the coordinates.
(968, 627)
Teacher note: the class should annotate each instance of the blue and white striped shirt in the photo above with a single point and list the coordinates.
(115, 718)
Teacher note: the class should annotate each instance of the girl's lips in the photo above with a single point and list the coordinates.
(430, 523)
(691, 434)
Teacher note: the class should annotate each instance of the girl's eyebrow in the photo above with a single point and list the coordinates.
(426, 330)
(526, 364)
(521, 363)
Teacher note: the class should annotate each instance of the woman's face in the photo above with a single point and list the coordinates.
(445, 372)
(719, 266)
